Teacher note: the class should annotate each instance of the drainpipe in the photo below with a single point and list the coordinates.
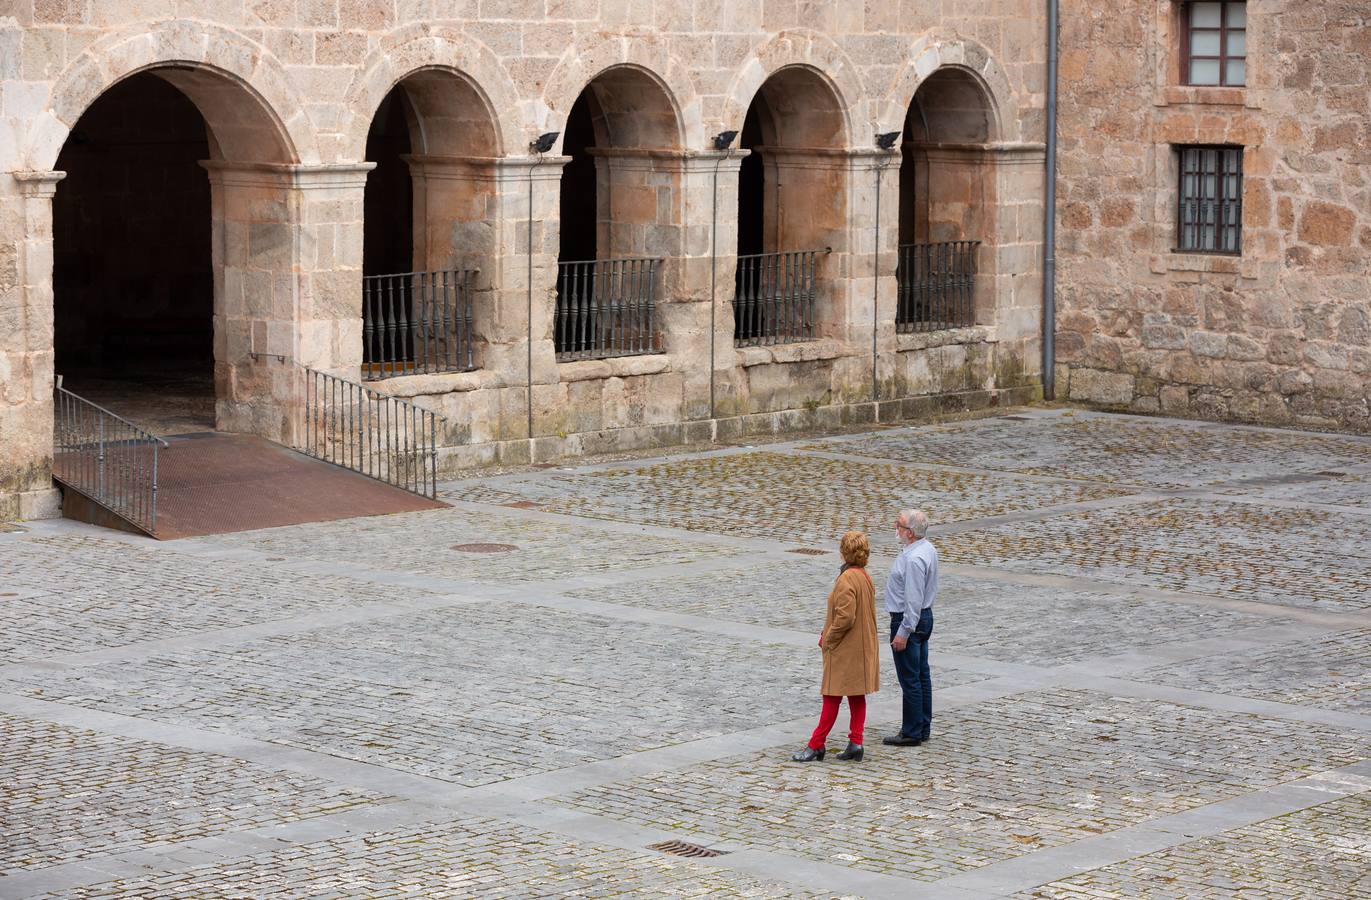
(1050, 216)
(722, 141)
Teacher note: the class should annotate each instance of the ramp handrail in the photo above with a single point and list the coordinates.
(371, 433)
(106, 457)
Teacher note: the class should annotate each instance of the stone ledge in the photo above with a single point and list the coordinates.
(613, 367)
(802, 351)
(922, 340)
(439, 383)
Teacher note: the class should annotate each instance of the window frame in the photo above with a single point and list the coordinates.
(1223, 59)
(1224, 202)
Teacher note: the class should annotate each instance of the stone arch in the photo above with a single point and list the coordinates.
(590, 59)
(432, 59)
(241, 90)
(955, 57)
(801, 50)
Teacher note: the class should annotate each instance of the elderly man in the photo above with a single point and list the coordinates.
(909, 595)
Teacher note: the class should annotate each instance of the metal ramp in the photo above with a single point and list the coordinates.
(114, 474)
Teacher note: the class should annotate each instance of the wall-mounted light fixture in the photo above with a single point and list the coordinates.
(886, 140)
(724, 139)
(544, 142)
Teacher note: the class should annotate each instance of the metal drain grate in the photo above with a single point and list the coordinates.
(808, 551)
(484, 548)
(1331, 474)
(681, 848)
(520, 504)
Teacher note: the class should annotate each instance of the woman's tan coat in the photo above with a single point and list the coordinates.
(852, 659)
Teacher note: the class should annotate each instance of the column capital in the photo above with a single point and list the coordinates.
(37, 184)
(342, 175)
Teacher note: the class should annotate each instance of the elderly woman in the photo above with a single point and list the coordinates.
(852, 662)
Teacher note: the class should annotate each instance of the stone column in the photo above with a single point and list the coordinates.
(1011, 259)
(871, 275)
(514, 338)
(26, 348)
(708, 259)
(287, 253)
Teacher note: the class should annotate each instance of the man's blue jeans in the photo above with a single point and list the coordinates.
(911, 666)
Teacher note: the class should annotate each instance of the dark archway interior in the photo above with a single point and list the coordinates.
(132, 270)
(751, 185)
(580, 192)
(388, 233)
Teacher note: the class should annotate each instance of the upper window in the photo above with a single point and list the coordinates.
(1209, 211)
(1214, 44)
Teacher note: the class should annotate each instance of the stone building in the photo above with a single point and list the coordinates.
(564, 225)
(1262, 313)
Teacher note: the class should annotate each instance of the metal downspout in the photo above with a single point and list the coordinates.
(1050, 215)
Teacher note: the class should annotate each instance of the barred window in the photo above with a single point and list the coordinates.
(1209, 214)
(1214, 44)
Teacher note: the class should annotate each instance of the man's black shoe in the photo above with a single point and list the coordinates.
(899, 740)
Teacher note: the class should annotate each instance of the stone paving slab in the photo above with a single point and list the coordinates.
(997, 781)
(86, 593)
(1316, 853)
(1308, 558)
(1332, 672)
(467, 858)
(1112, 449)
(67, 794)
(245, 708)
(974, 617)
(776, 495)
(422, 543)
(483, 693)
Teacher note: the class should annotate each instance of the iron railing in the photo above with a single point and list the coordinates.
(936, 286)
(416, 323)
(105, 457)
(357, 428)
(774, 298)
(606, 307)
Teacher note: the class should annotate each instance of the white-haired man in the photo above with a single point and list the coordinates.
(909, 594)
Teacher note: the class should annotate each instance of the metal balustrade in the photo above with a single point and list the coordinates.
(357, 428)
(774, 298)
(105, 457)
(417, 323)
(606, 307)
(937, 286)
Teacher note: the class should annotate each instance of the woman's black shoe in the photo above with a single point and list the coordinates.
(809, 754)
(853, 752)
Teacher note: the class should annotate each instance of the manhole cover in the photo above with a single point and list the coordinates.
(484, 548)
(808, 551)
(681, 848)
(520, 504)
(9, 594)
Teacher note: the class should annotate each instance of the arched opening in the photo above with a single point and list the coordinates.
(429, 233)
(792, 190)
(946, 201)
(133, 282)
(621, 216)
(164, 276)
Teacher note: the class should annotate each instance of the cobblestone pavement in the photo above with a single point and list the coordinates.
(1152, 663)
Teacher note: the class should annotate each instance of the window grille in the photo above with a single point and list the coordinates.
(1209, 212)
(606, 307)
(417, 323)
(774, 298)
(936, 286)
(1214, 44)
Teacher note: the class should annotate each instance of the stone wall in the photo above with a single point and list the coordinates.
(1280, 334)
(288, 91)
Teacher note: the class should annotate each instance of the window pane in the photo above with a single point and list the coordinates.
(1237, 43)
(1237, 15)
(1204, 71)
(1237, 72)
(1204, 43)
(1206, 15)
